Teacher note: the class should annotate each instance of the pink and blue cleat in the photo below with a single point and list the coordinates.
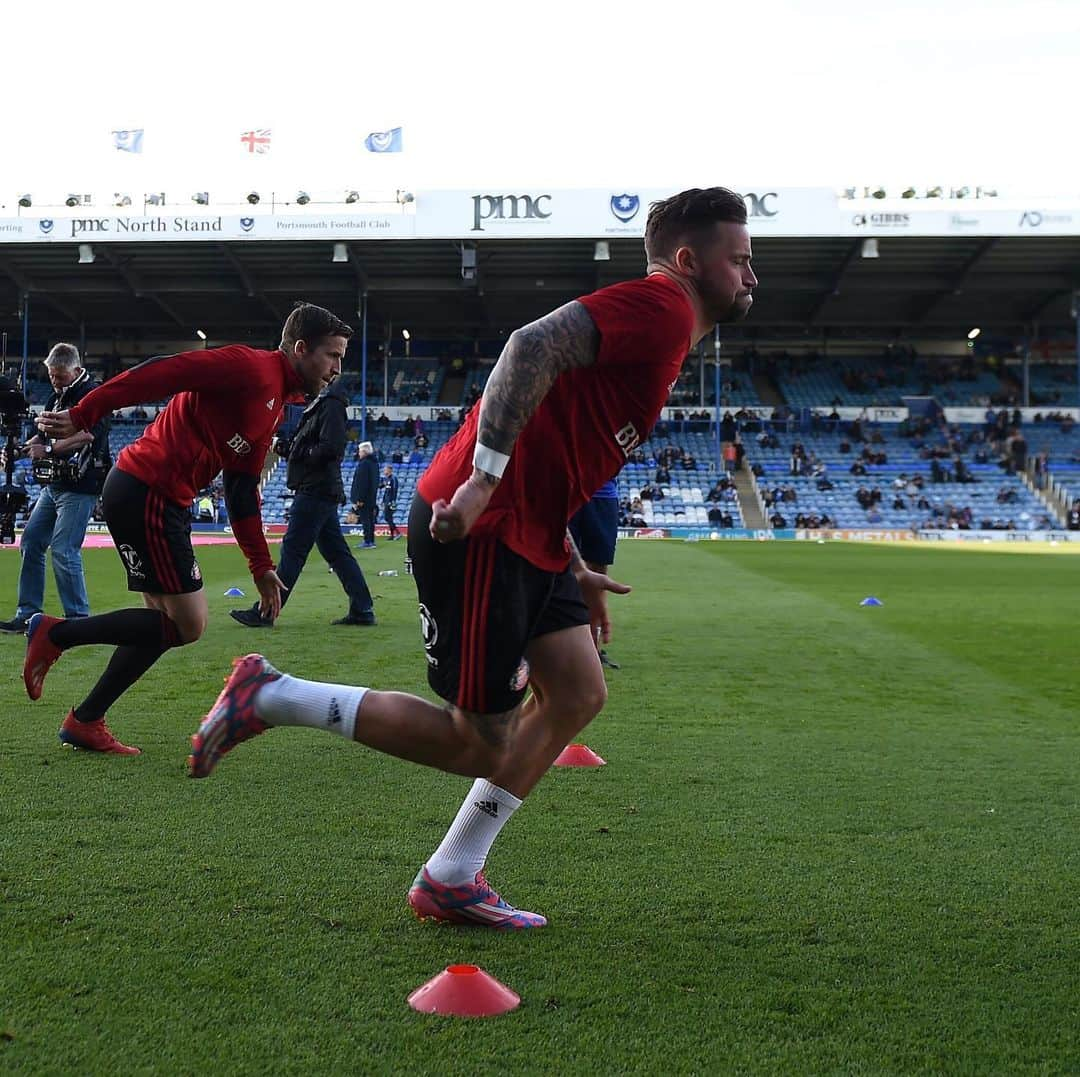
(472, 903)
(232, 718)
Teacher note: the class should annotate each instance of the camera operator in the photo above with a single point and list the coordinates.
(314, 454)
(72, 471)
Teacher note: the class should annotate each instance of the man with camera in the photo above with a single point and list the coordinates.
(71, 471)
(314, 454)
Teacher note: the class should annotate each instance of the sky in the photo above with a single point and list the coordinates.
(547, 94)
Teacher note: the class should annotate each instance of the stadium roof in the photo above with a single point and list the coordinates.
(916, 286)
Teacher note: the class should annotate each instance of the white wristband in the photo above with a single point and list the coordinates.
(490, 461)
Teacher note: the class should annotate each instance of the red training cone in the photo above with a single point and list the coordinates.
(578, 755)
(464, 991)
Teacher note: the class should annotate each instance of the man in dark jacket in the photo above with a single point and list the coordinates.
(314, 474)
(389, 487)
(365, 491)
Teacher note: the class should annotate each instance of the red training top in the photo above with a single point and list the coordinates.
(228, 403)
(585, 428)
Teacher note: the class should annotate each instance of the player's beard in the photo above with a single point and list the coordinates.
(737, 310)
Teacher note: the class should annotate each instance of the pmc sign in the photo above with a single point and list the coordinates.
(509, 207)
(759, 205)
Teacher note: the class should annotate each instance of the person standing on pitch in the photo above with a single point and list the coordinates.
(389, 488)
(595, 531)
(65, 505)
(505, 601)
(315, 453)
(364, 492)
(228, 403)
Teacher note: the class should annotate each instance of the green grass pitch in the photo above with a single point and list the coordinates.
(829, 839)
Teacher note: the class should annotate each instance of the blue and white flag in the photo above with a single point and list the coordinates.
(128, 141)
(384, 141)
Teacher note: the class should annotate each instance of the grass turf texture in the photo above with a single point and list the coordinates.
(829, 839)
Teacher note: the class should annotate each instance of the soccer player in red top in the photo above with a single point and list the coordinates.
(228, 403)
(505, 602)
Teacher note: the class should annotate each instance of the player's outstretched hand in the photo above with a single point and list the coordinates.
(594, 589)
(271, 590)
(56, 424)
(453, 520)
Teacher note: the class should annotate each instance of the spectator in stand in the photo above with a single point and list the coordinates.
(416, 456)
(730, 457)
(778, 520)
(662, 476)
(727, 427)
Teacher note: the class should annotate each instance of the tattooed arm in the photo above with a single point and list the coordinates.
(532, 360)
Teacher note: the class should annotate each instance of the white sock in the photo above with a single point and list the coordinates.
(470, 837)
(292, 701)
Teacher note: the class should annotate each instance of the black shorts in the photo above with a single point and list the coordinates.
(152, 536)
(480, 605)
(595, 527)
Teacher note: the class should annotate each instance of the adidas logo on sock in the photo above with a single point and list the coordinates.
(335, 713)
(488, 807)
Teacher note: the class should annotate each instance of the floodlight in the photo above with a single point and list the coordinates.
(960, 192)
(933, 192)
(870, 248)
(351, 197)
(200, 334)
(71, 200)
(26, 201)
(303, 198)
(908, 192)
(601, 252)
(341, 253)
(404, 197)
(201, 198)
(86, 254)
(974, 333)
(253, 198)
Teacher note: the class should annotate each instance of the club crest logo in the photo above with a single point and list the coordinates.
(624, 207)
(46, 226)
(429, 630)
(131, 560)
(247, 223)
(520, 678)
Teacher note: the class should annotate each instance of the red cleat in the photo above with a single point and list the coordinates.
(41, 652)
(232, 718)
(93, 737)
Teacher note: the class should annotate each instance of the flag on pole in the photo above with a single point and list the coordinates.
(384, 141)
(257, 141)
(128, 141)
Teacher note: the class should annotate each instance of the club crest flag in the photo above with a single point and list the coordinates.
(256, 141)
(128, 141)
(384, 141)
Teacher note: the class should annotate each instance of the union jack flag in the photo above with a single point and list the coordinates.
(257, 141)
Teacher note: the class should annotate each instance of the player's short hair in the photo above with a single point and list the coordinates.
(684, 218)
(65, 355)
(312, 324)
